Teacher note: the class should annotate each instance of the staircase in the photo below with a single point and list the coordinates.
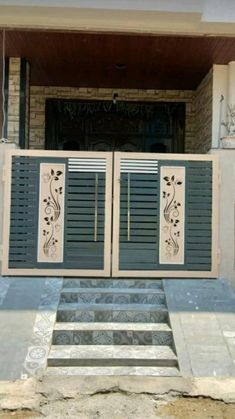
(112, 327)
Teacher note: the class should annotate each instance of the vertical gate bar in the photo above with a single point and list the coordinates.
(128, 207)
(96, 206)
(215, 216)
(108, 213)
(116, 214)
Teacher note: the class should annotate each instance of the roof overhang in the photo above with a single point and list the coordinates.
(201, 17)
(88, 59)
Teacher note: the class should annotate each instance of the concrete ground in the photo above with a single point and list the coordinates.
(202, 315)
(119, 398)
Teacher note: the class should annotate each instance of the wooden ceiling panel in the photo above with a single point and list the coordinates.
(118, 60)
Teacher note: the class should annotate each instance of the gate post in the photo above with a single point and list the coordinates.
(3, 148)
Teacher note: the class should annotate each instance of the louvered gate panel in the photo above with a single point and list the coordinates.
(24, 206)
(60, 213)
(165, 215)
(85, 213)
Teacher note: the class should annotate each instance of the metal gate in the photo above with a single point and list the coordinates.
(60, 209)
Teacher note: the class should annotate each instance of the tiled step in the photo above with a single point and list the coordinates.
(108, 334)
(112, 327)
(112, 283)
(118, 371)
(114, 295)
(152, 327)
(142, 313)
(102, 355)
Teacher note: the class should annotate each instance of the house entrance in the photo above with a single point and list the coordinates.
(120, 126)
(102, 214)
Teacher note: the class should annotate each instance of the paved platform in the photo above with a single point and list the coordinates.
(202, 315)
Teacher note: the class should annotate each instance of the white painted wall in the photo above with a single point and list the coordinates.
(152, 5)
(223, 85)
(227, 214)
(190, 17)
(219, 89)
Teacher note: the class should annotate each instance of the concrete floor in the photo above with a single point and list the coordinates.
(202, 315)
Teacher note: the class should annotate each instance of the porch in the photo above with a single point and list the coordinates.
(59, 90)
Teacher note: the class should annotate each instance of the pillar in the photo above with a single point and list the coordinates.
(18, 93)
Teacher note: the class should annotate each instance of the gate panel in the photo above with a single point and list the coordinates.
(165, 215)
(60, 213)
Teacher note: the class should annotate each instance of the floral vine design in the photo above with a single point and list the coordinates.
(171, 215)
(52, 210)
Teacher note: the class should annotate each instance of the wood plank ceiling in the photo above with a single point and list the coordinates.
(118, 60)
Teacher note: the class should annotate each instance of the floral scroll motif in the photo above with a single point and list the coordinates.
(172, 215)
(51, 213)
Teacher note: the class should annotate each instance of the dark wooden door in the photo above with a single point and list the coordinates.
(125, 126)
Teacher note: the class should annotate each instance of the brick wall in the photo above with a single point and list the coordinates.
(203, 114)
(39, 94)
(14, 100)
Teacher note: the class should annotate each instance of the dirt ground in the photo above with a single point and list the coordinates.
(126, 406)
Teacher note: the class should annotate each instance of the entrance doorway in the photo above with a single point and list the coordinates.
(120, 126)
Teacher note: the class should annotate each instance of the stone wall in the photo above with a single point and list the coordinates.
(203, 114)
(39, 94)
(14, 100)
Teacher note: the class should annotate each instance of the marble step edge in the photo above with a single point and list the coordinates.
(110, 326)
(83, 290)
(104, 352)
(115, 371)
(111, 307)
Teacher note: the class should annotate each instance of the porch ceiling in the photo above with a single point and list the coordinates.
(118, 60)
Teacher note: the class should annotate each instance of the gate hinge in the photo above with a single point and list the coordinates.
(1, 252)
(4, 173)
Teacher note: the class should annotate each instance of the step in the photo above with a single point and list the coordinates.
(112, 283)
(118, 337)
(111, 307)
(102, 355)
(153, 327)
(118, 371)
(141, 313)
(112, 334)
(115, 295)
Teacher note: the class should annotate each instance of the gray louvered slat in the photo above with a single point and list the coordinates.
(84, 189)
(139, 218)
(139, 190)
(139, 233)
(194, 239)
(134, 246)
(74, 209)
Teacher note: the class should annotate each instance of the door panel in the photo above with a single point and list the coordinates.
(60, 213)
(165, 215)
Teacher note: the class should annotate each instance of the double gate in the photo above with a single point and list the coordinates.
(105, 214)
